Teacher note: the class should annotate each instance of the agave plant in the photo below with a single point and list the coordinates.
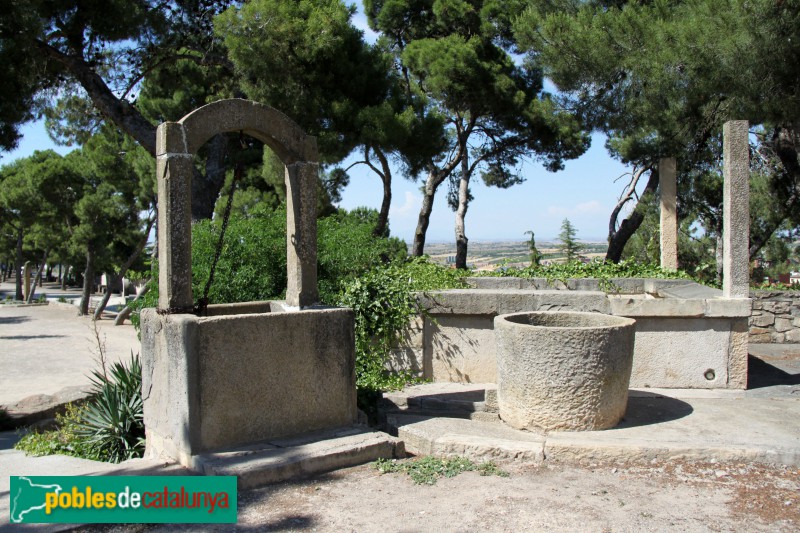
(113, 423)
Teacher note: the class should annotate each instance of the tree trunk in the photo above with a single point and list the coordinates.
(618, 238)
(64, 278)
(18, 266)
(38, 281)
(116, 276)
(206, 188)
(418, 247)
(386, 177)
(88, 281)
(126, 312)
(461, 214)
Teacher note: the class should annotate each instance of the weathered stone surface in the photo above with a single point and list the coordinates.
(560, 371)
(43, 407)
(779, 307)
(669, 218)
(461, 348)
(736, 209)
(783, 324)
(230, 380)
(677, 353)
(278, 460)
(301, 234)
(289, 142)
(174, 177)
(470, 438)
(762, 338)
(737, 355)
(793, 335)
(176, 144)
(763, 320)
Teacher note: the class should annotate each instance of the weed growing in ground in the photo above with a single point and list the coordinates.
(62, 441)
(428, 470)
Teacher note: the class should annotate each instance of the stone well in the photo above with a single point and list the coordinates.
(563, 370)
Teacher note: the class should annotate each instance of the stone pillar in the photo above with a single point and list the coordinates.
(26, 277)
(174, 167)
(301, 234)
(669, 217)
(736, 210)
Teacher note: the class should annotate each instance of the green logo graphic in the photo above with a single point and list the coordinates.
(122, 499)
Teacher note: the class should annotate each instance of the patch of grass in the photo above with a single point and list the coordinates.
(62, 299)
(428, 470)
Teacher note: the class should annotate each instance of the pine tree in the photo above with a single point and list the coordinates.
(569, 246)
(536, 255)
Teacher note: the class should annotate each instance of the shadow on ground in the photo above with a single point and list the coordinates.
(645, 408)
(14, 319)
(762, 374)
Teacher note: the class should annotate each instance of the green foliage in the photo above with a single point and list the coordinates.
(112, 423)
(536, 255)
(108, 427)
(252, 265)
(62, 441)
(384, 303)
(427, 470)
(569, 246)
(600, 270)
(309, 61)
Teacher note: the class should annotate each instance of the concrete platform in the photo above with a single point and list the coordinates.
(313, 453)
(760, 426)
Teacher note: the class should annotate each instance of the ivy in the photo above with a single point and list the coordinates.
(384, 303)
(602, 271)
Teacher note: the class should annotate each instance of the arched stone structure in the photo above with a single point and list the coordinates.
(176, 145)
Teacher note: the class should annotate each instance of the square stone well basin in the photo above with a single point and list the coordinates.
(245, 373)
(687, 335)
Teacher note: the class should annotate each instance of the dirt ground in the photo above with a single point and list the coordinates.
(671, 496)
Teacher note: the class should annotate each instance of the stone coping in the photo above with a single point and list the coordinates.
(621, 285)
(641, 298)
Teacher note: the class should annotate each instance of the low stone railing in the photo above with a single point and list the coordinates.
(687, 335)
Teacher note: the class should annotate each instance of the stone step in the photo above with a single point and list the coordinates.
(457, 400)
(305, 455)
(474, 439)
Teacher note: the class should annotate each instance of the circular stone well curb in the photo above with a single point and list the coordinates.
(563, 370)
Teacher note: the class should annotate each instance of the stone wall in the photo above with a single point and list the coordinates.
(776, 316)
(688, 336)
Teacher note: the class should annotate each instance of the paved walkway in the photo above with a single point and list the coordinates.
(44, 349)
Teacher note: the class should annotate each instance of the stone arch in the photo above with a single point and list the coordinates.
(176, 145)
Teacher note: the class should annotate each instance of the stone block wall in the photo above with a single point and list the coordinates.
(775, 317)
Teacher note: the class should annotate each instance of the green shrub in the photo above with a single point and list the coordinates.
(62, 300)
(63, 441)
(108, 427)
(112, 423)
(383, 301)
(600, 270)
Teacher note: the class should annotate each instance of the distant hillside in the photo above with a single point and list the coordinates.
(488, 255)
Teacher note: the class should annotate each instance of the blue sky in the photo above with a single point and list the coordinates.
(585, 192)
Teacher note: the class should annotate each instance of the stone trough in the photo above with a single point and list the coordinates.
(687, 335)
